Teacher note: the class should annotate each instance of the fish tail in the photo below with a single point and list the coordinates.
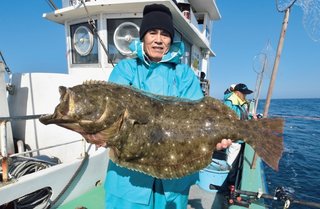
(266, 137)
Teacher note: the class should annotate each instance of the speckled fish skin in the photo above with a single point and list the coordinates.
(164, 137)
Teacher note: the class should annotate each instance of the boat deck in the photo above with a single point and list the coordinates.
(94, 199)
(201, 199)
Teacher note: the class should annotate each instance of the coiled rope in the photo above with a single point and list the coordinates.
(21, 166)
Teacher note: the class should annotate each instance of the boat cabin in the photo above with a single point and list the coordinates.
(116, 25)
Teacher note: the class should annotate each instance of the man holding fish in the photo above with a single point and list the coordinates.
(157, 69)
(158, 137)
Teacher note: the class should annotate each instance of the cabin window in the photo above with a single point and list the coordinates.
(121, 32)
(84, 46)
(196, 60)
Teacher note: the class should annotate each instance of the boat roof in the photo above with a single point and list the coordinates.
(117, 6)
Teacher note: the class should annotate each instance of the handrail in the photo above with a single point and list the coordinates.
(22, 117)
(3, 142)
(44, 148)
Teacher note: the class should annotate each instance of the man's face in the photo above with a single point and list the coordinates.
(156, 44)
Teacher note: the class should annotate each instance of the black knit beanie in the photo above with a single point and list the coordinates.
(156, 16)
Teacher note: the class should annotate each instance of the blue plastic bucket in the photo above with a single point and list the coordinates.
(216, 173)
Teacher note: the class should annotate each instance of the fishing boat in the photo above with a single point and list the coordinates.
(51, 167)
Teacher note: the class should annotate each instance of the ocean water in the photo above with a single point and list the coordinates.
(299, 168)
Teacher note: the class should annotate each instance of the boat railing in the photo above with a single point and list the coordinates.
(4, 107)
(4, 154)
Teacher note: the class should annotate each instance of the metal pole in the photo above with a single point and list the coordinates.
(276, 62)
(4, 151)
(3, 139)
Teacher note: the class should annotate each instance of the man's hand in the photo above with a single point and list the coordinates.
(97, 139)
(225, 143)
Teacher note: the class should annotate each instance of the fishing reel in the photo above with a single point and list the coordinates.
(245, 198)
(283, 194)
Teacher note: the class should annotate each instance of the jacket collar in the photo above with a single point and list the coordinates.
(236, 100)
(174, 54)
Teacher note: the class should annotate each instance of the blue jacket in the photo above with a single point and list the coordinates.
(236, 104)
(170, 78)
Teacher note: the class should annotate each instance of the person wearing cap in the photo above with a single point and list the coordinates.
(236, 100)
(156, 69)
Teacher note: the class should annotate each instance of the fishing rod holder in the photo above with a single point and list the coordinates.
(235, 198)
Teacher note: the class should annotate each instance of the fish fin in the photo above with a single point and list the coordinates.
(90, 82)
(266, 137)
(62, 91)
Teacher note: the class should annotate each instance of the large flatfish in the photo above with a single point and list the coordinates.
(165, 137)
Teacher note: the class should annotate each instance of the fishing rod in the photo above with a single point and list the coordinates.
(245, 198)
(297, 117)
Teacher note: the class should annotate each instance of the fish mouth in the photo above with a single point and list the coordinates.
(64, 121)
(95, 137)
(52, 119)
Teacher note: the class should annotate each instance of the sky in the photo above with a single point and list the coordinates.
(30, 43)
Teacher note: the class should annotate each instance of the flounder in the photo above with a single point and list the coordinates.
(165, 137)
